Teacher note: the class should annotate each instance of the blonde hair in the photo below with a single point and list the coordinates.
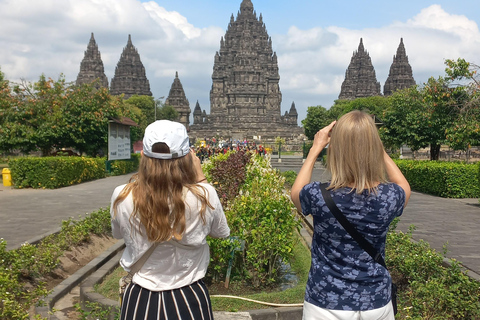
(158, 191)
(355, 153)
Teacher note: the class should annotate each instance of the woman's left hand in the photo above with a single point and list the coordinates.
(322, 138)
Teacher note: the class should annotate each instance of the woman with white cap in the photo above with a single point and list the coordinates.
(169, 208)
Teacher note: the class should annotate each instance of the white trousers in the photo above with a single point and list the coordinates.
(312, 312)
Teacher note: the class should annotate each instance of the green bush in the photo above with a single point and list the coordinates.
(120, 167)
(22, 269)
(290, 177)
(427, 289)
(55, 172)
(444, 179)
(259, 214)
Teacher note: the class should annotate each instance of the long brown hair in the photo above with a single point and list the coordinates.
(158, 191)
(355, 153)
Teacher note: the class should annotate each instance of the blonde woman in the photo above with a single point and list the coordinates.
(344, 281)
(170, 203)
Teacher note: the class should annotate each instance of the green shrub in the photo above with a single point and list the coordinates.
(120, 167)
(228, 176)
(290, 177)
(427, 289)
(54, 172)
(57, 172)
(22, 269)
(258, 213)
(444, 179)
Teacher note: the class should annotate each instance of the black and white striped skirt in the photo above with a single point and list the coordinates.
(189, 302)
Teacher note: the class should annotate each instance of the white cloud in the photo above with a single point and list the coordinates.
(51, 36)
(313, 62)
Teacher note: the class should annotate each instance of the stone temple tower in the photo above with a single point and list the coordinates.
(91, 67)
(245, 98)
(130, 77)
(177, 99)
(400, 76)
(360, 79)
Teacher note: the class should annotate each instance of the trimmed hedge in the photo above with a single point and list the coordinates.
(55, 172)
(444, 179)
(119, 167)
(58, 172)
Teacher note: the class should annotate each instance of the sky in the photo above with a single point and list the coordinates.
(313, 39)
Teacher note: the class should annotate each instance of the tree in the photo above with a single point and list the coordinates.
(421, 117)
(372, 105)
(166, 112)
(465, 132)
(52, 114)
(317, 118)
(33, 121)
(142, 109)
(86, 112)
(403, 121)
(10, 134)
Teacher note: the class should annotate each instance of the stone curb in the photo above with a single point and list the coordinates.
(74, 280)
(87, 288)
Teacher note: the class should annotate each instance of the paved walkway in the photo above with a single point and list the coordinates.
(28, 214)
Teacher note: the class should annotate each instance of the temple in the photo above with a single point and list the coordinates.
(91, 67)
(130, 78)
(245, 98)
(400, 75)
(177, 99)
(360, 79)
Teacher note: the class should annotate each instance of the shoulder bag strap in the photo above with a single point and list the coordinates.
(364, 244)
(140, 262)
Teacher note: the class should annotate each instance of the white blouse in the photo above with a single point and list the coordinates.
(173, 264)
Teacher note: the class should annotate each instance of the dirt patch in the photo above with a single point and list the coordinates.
(78, 257)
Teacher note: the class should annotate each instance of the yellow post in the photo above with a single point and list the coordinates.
(7, 177)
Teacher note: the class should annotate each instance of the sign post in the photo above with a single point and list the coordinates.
(118, 141)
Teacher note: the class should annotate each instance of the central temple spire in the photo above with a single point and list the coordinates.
(245, 98)
(246, 7)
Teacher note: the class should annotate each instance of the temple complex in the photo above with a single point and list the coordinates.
(245, 98)
(400, 76)
(91, 67)
(177, 99)
(360, 79)
(130, 77)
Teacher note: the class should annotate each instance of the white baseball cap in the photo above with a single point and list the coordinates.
(173, 134)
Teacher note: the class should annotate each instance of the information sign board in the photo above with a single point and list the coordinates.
(118, 141)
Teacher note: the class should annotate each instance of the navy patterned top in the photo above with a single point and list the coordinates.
(342, 275)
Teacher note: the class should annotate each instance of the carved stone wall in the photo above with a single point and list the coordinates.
(245, 98)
